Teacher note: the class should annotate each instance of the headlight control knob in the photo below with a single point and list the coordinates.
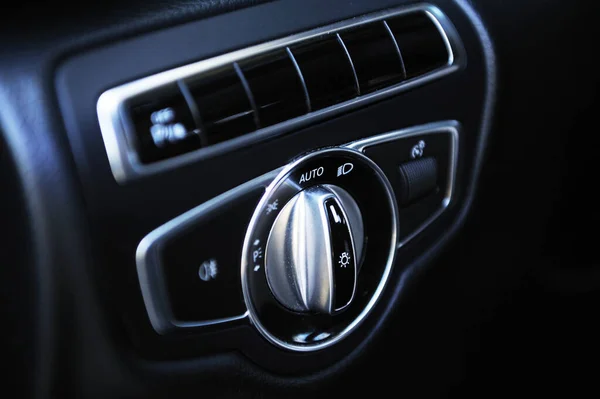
(314, 249)
(319, 249)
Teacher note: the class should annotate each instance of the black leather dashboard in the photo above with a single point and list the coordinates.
(513, 278)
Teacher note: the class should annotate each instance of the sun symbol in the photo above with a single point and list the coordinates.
(344, 259)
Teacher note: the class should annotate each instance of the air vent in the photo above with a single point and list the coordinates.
(229, 101)
(420, 42)
(327, 72)
(375, 56)
(224, 108)
(276, 87)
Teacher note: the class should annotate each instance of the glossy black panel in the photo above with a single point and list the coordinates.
(420, 43)
(201, 266)
(224, 107)
(276, 87)
(162, 125)
(327, 72)
(375, 56)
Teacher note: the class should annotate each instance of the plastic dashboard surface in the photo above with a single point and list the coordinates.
(120, 216)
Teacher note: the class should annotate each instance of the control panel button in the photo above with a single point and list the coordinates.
(163, 125)
(311, 258)
(421, 169)
(421, 44)
(419, 178)
(276, 87)
(327, 72)
(330, 223)
(201, 265)
(375, 57)
(189, 268)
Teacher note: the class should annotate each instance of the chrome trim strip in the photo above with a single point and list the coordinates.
(301, 77)
(445, 29)
(280, 179)
(341, 42)
(124, 160)
(448, 127)
(152, 283)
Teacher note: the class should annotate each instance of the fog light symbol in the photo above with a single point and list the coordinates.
(208, 270)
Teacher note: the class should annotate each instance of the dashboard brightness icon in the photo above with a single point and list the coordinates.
(344, 259)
